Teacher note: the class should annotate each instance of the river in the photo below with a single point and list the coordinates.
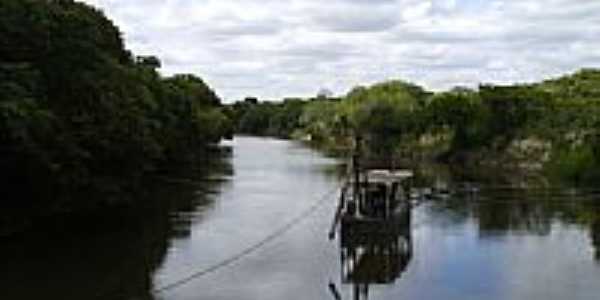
(500, 243)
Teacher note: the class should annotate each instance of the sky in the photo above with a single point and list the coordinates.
(272, 49)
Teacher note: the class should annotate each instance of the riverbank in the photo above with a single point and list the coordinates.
(526, 163)
(80, 132)
(548, 128)
(101, 207)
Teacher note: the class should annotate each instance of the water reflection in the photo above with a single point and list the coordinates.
(373, 257)
(501, 209)
(113, 256)
(496, 242)
(595, 237)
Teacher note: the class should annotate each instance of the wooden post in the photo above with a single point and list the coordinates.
(357, 166)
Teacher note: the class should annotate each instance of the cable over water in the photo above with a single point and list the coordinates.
(252, 248)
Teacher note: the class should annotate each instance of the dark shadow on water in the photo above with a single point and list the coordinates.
(595, 237)
(113, 254)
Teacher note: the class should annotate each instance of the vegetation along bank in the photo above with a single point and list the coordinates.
(550, 127)
(82, 119)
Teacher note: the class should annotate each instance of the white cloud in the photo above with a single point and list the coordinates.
(273, 49)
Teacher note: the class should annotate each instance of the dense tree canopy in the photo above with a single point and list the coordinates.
(396, 116)
(79, 112)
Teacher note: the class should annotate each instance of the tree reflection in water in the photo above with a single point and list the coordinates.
(506, 210)
(113, 256)
(595, 237)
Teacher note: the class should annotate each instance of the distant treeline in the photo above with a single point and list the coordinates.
(553, 125)
(81, 114)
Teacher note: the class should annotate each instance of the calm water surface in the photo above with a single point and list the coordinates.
(502, 243)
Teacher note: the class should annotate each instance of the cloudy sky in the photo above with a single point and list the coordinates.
(275, 48)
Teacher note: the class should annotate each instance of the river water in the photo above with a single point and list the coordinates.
(502, 242)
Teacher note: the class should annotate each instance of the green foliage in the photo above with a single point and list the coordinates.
(578, 165)
(463, 113)
(512, 109)
(397, 117)
(321, 121)
(79, 114)
(286, 118)
(267, 118)
(256, 119)
(385, 114)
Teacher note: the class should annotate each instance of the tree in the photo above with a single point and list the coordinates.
(79, 114)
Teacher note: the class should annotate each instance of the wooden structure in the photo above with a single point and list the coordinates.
(374, 216)
(372, 200)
